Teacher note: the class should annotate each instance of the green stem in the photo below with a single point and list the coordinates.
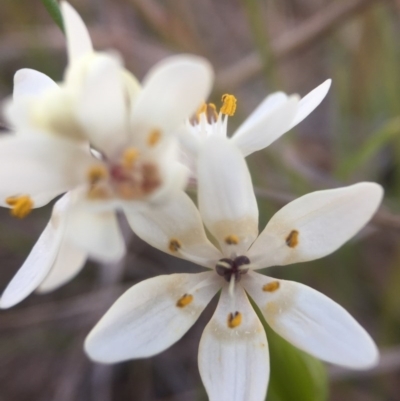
(53, 9)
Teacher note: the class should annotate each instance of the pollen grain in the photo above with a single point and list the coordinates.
(234, 320)
(232, 239)
(272, 286)
(228, 105)
(129, 157)
(292, 240)
(154, 137)
(21, 206)
(97, 173)
(185, 300)
(174, 245)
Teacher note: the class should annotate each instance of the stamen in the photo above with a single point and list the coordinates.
(234, 320)
(292, 240)
(184, 300)
(272, 286)
(229, 105)
(154, 137)
(232, 286)
(232, 239)
(129, 157)
(174, 245)
(21, 206)
(97, 173)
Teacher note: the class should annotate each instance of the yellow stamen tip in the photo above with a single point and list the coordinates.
(129, 157)
(97, 173)
(174, 245)
(234, 320)
(184, 301)
(292, 240)
(228, 105)
(154, 137)
(21, 206)
(232, 239)
(272, 286)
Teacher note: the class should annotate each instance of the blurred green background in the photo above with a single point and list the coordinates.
(256, 47)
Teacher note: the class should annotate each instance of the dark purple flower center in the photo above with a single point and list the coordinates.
(232, 267)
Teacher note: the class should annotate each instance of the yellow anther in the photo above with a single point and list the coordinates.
(234, 320)
(272, 286)
(129, 157)
(185, 300)
(97, 173)
(202, 109)
(228, 105)
(292, 240)
(174, 245)
(154, 137)
(21, 206)
(232, 239)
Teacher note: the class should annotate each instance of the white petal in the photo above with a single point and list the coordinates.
(227, 202)
(78, 39)
(101, 108)
(317, 224)
(41, 167)
(69, 262)
(31, 83)
(261, 129)
(313, 322)
(309, 102)
(146, 319)
(234, 362)
(40, 260)
(96, 233)
(172, 92)
(178, 220)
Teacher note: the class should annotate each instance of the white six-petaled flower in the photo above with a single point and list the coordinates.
(233, 353)
(106, 141)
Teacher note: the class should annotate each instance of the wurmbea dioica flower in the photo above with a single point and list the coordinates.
(107, 144)
(277, 114)
(233, 354)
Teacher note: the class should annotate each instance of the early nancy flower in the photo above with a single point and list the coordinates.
(233, 354)
(110, 145)
(277, 114)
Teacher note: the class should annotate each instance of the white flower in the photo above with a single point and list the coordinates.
(277, 114)
(112, 149)
(233, 354)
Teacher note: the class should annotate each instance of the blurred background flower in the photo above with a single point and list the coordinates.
(256, 47)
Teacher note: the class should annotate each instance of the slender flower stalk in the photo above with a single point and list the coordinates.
(105, 141)
(233, 353)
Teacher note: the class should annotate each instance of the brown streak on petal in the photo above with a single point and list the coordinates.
(185, 300)
(272, 286)
(292, 240)
(174, 245)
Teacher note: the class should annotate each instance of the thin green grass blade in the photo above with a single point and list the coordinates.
(53, 9)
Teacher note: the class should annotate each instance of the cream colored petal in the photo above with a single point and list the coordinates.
(312, 322)
(234, 362)
(310, 102)
(31, 83)
(101, 108)
(172, 92)
(79, 43)
(150, 317)
(40, 167)
(175, 228)
(41, 258)
(69, 262)
(263, 129)
(97, 234)
(315, 225)
(226, 198)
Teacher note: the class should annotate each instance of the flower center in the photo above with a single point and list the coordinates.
(129, 178)
(232, 267)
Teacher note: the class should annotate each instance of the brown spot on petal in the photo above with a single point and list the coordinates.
(21, 206)
(184, 301)
(174, 245)
(154, 137)
(232, 239)
(234, 320)
(292, 240)
(272, 286)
